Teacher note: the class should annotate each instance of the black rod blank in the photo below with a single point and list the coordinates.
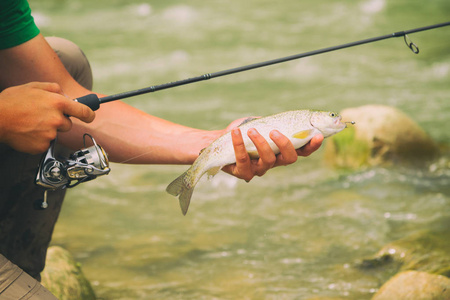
(207, 76)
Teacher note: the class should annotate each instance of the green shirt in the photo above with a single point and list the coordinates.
(16, 23)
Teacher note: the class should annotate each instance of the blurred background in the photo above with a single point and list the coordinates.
(298, 231)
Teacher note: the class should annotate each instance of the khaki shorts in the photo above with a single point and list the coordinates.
(16, 284)
(25, 232)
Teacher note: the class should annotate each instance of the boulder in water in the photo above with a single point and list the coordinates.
(415, 285)
(63, 277)
(382, 135)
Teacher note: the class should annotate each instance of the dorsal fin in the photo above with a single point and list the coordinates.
(248, 120)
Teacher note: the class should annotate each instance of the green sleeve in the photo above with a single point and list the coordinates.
(16, 23)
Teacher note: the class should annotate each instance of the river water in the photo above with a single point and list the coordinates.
(299, 231)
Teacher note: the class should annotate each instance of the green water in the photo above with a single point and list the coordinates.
(297, 232)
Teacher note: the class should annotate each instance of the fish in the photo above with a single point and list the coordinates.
(300, 126)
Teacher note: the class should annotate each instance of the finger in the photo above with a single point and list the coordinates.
(288, 154)
(266, 156)
(312, 146)
(66, 124)
(47, 86)
(243, 167)
(79, 111)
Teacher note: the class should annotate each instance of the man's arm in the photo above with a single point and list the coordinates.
(128, 134)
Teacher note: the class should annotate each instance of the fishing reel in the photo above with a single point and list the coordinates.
(66, 172)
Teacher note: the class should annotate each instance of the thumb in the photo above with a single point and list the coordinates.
(47, 86)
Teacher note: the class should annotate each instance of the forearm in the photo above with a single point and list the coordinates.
(129, 135)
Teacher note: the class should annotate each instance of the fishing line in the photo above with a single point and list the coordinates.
(134, 157)
(94, 102)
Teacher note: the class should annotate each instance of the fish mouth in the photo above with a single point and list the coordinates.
(338, 122)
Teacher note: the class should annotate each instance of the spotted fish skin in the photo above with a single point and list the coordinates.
(300, 126)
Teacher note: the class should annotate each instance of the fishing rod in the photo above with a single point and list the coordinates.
(90, 162)
(93, 101)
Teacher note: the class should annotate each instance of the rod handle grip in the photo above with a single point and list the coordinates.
(90, 100)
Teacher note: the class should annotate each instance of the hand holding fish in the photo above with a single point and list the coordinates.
(246, 168)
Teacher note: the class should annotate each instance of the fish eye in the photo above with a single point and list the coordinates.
(332, 114)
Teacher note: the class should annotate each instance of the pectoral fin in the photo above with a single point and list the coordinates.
(302, 134)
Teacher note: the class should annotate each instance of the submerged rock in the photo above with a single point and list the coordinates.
(415, 285)
(423, 262)
(381, 135)
(426, 251)
(63, 276)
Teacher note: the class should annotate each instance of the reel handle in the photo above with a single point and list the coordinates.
(90, 100)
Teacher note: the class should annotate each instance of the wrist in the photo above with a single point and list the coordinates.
(194, 142)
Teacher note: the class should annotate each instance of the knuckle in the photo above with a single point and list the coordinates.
(42, 147)
(261, 173)
(50, 136)
(58, 102)
(247, 177)
(58, 121)
(303, 151)
(286, 162)
(242, 158)
(62, 123)
(270, 161)
(293, 159)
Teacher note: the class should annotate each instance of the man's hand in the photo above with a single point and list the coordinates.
(31, 114)
(246, 168)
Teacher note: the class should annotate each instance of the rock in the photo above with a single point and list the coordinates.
(415, 285)
(426, 251)
(382, 135)
(63, 276)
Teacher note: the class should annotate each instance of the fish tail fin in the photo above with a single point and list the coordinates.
(182, 188)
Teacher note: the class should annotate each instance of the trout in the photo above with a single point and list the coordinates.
(300, 126)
